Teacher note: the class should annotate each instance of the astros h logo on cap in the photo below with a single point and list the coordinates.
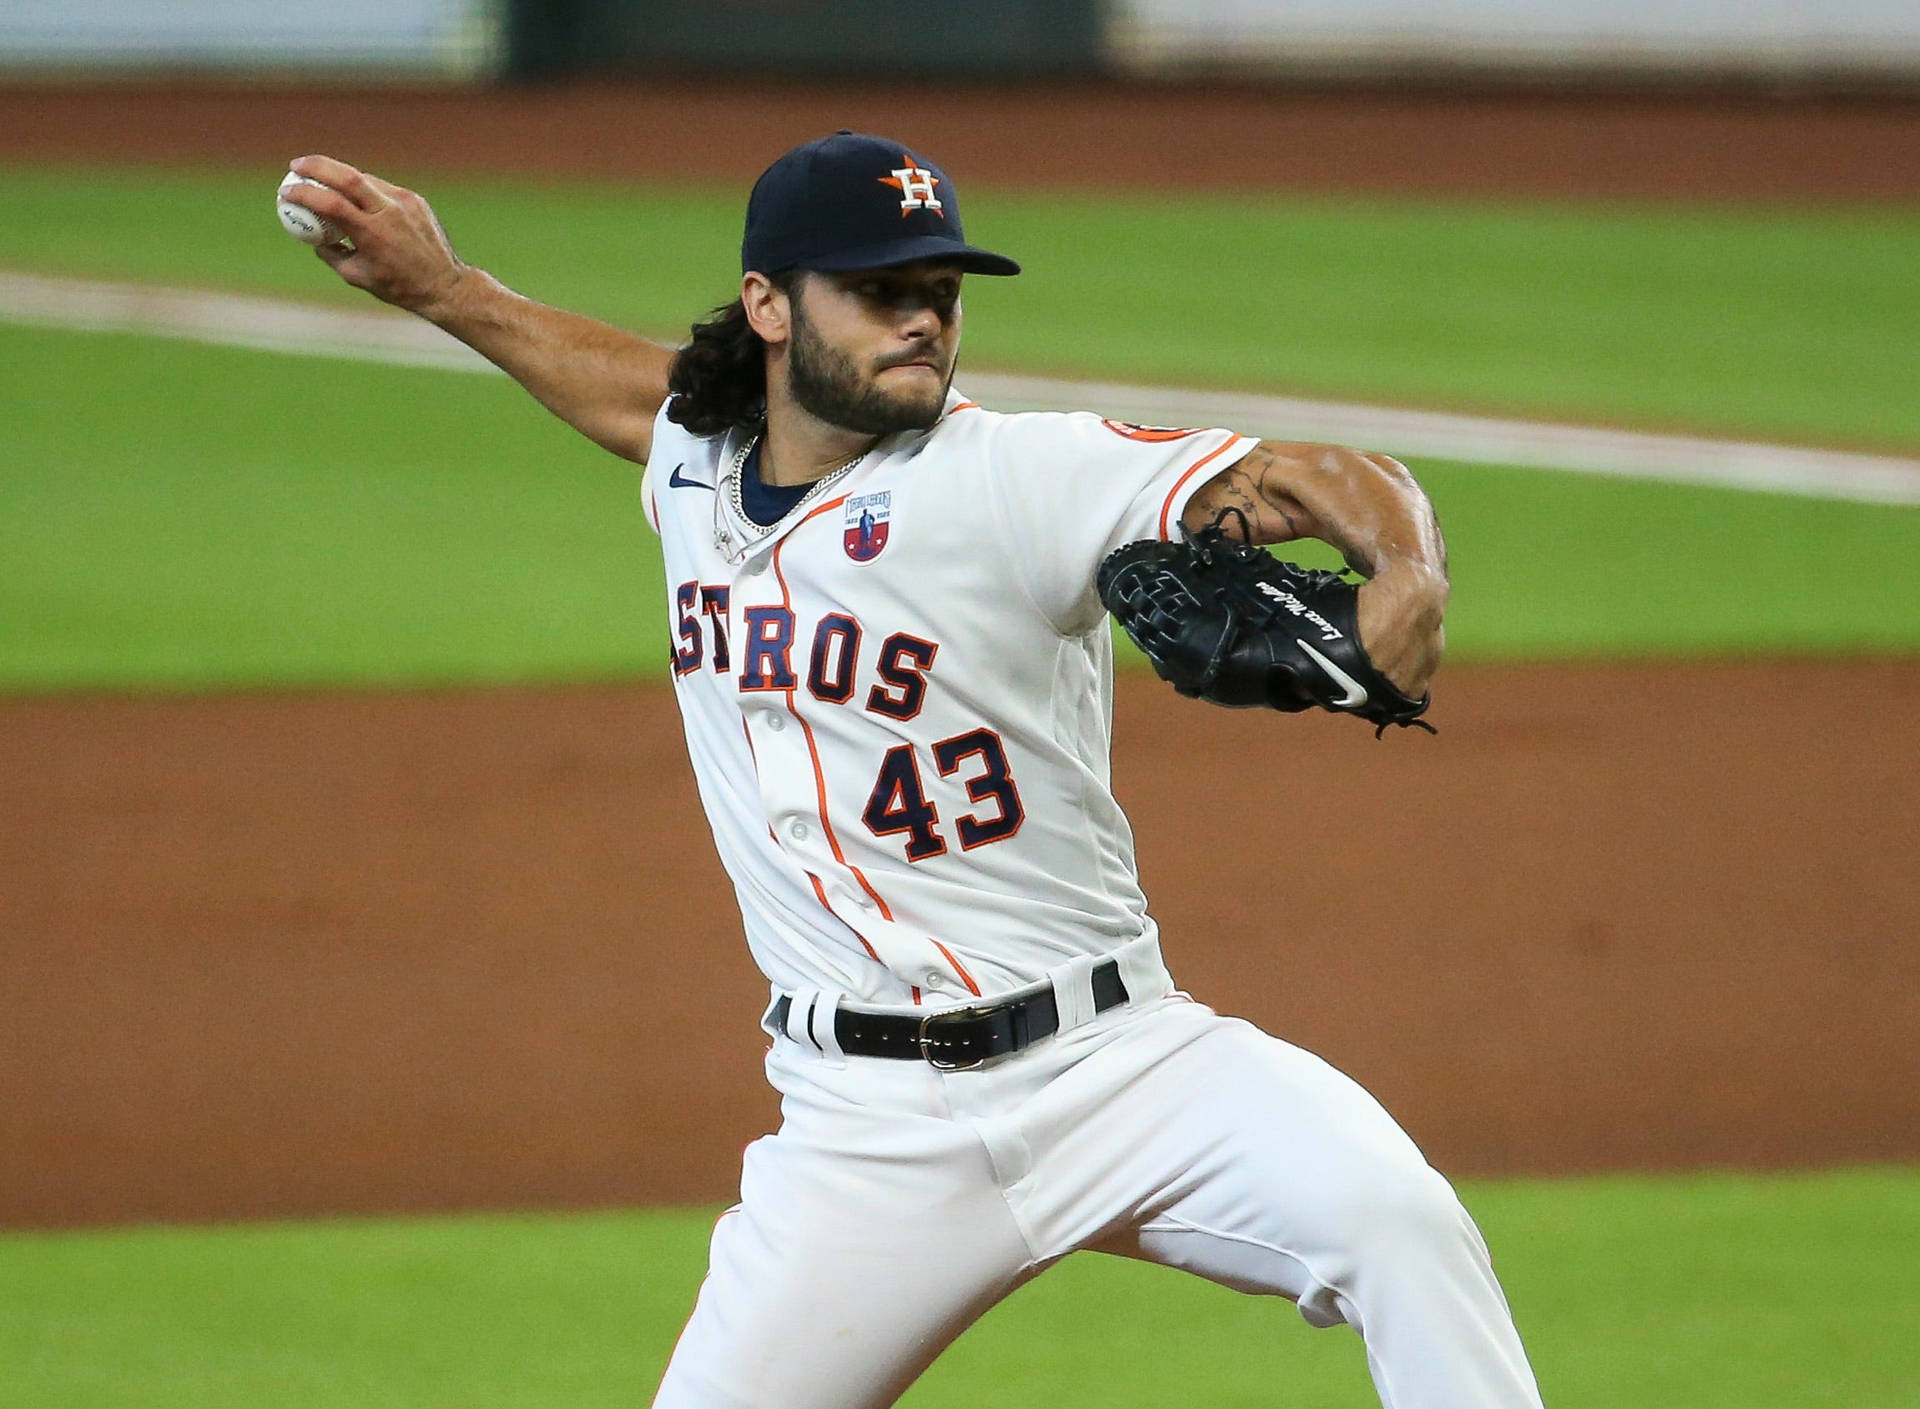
(915, 185)
(853, 201)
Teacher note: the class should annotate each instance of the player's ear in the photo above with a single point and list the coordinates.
(768, 307)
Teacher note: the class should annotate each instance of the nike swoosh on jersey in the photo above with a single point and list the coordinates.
(1356, 692)
(674, 481)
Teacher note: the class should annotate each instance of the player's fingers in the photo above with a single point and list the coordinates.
(337, 258)
(349, 181)
(348, 264)
(328, 205)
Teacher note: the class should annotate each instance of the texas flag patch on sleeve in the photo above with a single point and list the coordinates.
(865, 532)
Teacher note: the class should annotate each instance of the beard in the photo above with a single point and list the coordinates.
(824, 382)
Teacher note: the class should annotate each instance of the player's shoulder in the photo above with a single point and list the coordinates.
(681, 456)
(681, 466)
(966, 422)
(671, 440)
(1025, 437)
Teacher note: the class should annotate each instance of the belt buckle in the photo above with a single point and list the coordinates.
(926, 1039)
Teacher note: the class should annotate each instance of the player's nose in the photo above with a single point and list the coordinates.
(921, 321)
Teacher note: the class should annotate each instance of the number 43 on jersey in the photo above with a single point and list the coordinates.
(899, 803)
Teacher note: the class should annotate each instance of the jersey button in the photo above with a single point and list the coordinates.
(776, 722)
(799, 830)
(934, 980)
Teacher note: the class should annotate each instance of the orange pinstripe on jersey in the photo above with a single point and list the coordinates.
(820, 891)
(1166, 508)
(813, 748)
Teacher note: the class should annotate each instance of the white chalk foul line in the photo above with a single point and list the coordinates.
(379, 335)
(1483, 440)
(232, 320)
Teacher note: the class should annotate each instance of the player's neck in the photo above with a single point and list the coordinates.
(798, 447)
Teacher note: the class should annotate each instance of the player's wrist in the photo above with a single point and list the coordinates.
(1401, 615)
(1418, 587)
(454, 296)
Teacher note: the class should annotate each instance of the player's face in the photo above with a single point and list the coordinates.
(873, 350)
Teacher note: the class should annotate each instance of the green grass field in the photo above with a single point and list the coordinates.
(199, 517)
(1757, 322)
(227, 518)
(1711, 1291)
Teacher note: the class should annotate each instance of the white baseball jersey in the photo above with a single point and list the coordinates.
(898, 700)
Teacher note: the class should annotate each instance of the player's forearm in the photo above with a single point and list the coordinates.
(606, 383)
(1368, 506)
(1375, 513)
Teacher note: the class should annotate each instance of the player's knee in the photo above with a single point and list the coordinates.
(1410, 1211)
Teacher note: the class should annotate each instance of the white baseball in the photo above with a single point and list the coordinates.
(300, 222)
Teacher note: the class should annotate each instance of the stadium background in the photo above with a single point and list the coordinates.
(351, 864)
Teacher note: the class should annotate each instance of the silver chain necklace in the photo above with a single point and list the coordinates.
(736, 473)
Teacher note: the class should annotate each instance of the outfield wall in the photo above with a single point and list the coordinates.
(1778, 38)
(1792, 40)
(453, 37)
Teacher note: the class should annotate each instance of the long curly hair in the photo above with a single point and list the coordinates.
(719, 379)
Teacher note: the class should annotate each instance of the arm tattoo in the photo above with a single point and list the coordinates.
(1276, 500)
(1244, 494)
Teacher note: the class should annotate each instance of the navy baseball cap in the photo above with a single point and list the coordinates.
(851, 201)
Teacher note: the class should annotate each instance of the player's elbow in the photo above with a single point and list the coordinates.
(1428, 614)
(1402, 619)
(1421, 592)
(616, 431)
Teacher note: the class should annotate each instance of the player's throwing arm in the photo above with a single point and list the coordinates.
(607, 384)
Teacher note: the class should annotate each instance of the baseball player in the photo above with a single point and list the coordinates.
(894, 670)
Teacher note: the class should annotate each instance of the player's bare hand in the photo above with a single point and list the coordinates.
(395, 248)
(1401, 611)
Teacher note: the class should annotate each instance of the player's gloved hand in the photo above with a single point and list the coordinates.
(1228, 622)
(396, 249)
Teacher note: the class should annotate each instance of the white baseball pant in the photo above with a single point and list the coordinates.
(898, 1203)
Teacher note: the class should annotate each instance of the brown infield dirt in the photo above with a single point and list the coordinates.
(291, 954)
(279, 955)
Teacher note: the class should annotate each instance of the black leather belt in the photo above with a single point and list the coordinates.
(960, 1039)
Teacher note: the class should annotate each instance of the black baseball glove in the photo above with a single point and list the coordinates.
(1227, 622)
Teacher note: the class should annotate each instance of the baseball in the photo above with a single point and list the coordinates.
(300, 222)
